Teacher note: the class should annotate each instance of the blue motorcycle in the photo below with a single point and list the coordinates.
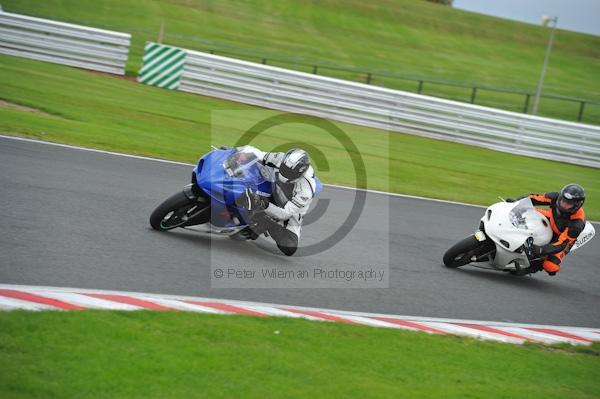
(220, 177)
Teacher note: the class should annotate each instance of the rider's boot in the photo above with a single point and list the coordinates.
(286, 241)
(254, 229)
(534, 267)
(244, 234)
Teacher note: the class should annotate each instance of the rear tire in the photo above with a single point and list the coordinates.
(175, 212)
(460, 253)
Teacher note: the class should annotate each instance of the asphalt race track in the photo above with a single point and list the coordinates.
(74, 218)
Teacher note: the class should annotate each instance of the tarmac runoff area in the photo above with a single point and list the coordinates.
(79, 218)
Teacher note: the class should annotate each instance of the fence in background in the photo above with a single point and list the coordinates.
(519, 101)
(62, 43)
(372, 106)
(522, 100)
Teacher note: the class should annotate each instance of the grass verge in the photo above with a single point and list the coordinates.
(176, 354)
(100, 111)
(411, 38)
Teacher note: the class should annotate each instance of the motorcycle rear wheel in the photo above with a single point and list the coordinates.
(460, 254)
(178, 211)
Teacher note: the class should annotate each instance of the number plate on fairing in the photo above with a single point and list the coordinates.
(480, 236)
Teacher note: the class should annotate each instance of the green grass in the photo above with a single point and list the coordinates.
(117, 114)
(408, 37)
(94, 354)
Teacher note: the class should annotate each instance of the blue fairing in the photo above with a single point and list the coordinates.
(223, 188)
(319, 185)
(213, 179)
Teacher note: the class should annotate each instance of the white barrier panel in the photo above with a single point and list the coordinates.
(62, 43)
(378, 107)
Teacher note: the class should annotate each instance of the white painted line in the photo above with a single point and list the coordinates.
(582, 333)
(87, 301)
(73, 147)
(375, 323)
(546, 337)
(119, 154)
(421, 319)
(273, 311)
(470, 332)
(299, 315)
(180, 305)
(404, 196)
(534, 335)
(14, 304)
(17, 138)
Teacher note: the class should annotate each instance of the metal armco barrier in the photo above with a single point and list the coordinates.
(393, 110)
(62, 43)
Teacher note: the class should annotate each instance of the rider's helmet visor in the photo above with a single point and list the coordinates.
(567, 204)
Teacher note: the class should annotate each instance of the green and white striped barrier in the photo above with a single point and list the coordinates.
(162, 66)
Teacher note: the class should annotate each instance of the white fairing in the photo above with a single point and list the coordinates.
(509, 225)
(586, 236)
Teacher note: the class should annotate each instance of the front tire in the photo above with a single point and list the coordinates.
(177, 211)
(460, 254)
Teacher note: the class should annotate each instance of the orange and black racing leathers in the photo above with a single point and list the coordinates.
(566, 228)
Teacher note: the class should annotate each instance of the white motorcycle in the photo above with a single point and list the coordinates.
(505, 237)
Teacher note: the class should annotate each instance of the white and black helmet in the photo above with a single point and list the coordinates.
(294, 164)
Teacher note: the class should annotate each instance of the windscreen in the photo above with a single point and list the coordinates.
(518, 215)
(239, 163)
(224, 174)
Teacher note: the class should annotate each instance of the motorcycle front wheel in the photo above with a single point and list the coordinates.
(462, 252)
(178, 211)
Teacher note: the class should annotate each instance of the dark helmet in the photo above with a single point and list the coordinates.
(295, 162)
(570, 198)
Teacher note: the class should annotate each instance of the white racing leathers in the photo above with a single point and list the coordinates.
(291, 200)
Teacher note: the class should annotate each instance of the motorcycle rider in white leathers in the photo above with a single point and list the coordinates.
(294, 188)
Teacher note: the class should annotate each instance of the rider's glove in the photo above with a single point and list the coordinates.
(509, 200)
(260, 202)
(246, 199)
(252, 201)
(534, 251)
